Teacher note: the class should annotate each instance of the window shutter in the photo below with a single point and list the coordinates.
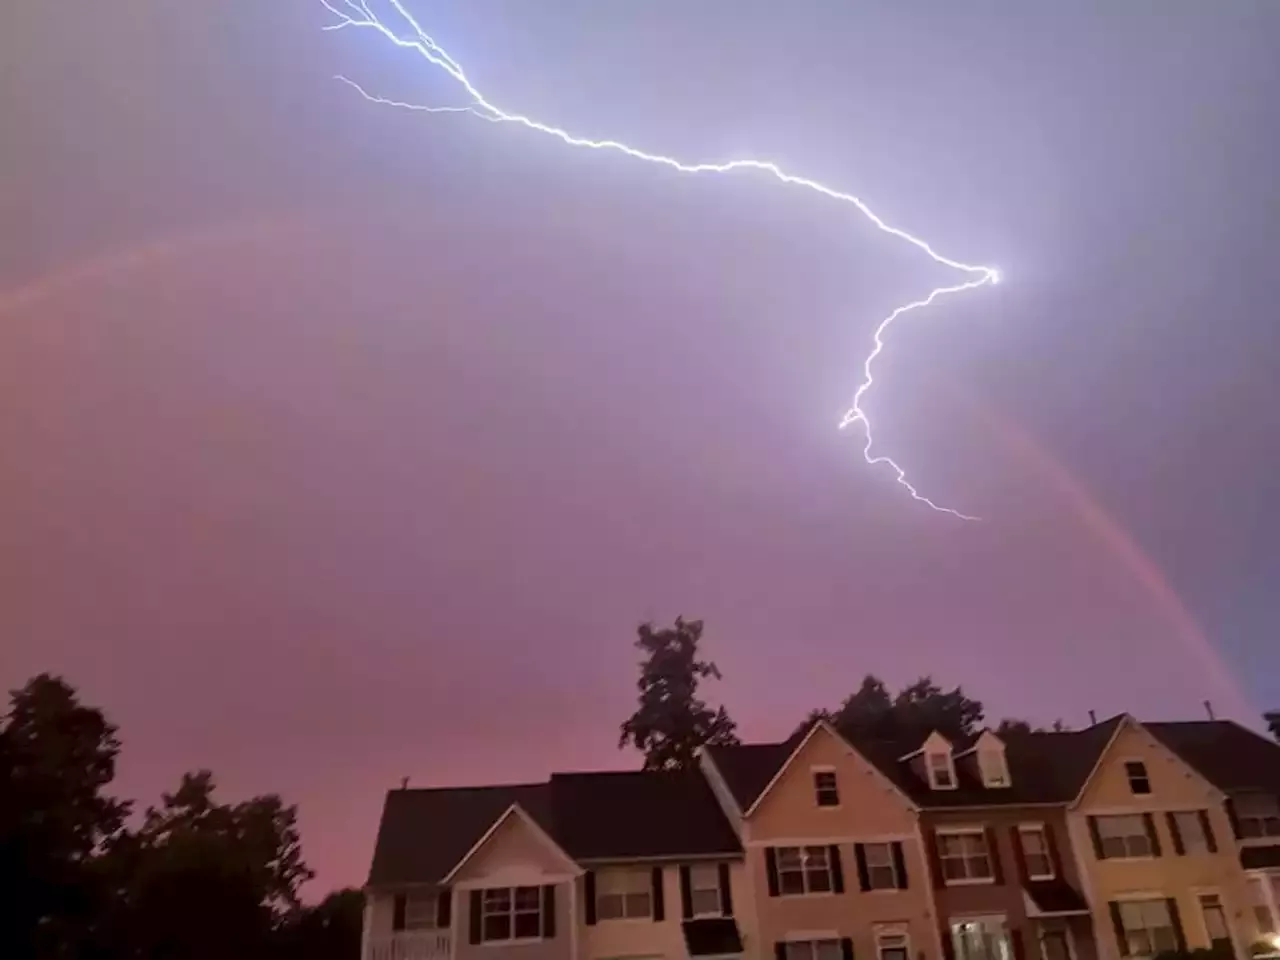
(1117, 924)
(935, 861)
(993, 851)
(1097, 840)
(1019, 947)
(726, 891)
(397, 912)
(1175, 834)
(1019, 855)
(686, 893)
(1052, 844)
(899, 864)
(1230, 806)
(548, 912)
(771, 870)
(780, 950)
(589, 896)
(444, 909)
(659, 896)
(475, 916)
(1177, 924)
(864, 875)
(948, 943)
(1151, 834)
(1207, 826)
(846, 948)
(837, 870)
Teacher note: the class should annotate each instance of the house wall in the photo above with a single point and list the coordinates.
(1174, 786)
(870, 810)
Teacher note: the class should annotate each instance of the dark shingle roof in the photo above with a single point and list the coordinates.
(425, 833)
(604, 816)
(1232, 758)
(748, 768)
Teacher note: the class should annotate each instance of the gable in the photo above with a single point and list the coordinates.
(515, 846)
(1173, 782)
(869, 803)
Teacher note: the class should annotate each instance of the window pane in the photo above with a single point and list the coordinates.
(788, 858)
(819, 881)
(497, 900)
(791, 881)
(608, 906)
(497, 926)
(705, 903)
(528, 925)
(979, 867)
(528, 898)
(815, 856)
(878, 854)
(828, 950)
(800, 950)
(637, 905)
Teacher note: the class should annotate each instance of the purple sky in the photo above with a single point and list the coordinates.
(342, 444)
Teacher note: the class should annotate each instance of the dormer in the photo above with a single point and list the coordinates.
(934, 763)
(987, 762)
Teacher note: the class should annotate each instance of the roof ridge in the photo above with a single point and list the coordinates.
(488, 787)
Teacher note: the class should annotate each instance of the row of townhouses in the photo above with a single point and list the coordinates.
(1123, 840)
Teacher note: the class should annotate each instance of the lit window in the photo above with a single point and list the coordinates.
(881, 873)
(942, 775)
(1148, 928)
(964, 856)
(825, 788)
(1035, 852)
(704, 890)
(1258, 815)
(1136, 773)
(803, 870)
(420, 910)
(511, 913)
(624, 894)
(813, 950)
(1123, 836)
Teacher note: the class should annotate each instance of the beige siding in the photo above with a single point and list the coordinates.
(514, 845)
(1174, 786)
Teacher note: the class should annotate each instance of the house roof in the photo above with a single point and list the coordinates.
(424, 834)
(1231, 757)
(750, 767)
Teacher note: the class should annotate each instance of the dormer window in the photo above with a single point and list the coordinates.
(993, 767)
(942, 771)
(825, 789)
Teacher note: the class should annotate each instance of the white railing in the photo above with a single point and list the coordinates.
(415, 945)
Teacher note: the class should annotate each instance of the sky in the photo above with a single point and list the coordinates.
(343, 444)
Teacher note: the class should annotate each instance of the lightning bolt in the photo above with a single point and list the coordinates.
(409, 35)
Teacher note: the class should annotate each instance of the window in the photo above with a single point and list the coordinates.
(825, 789)
(1215, 920)
(511, 913)
(881, 872)
(994, 768)
(1189, 828)
(1035, 852)
(942, 775)
(981, 939)
(1136, 772)
(624, 894)
(704, 890)
(964, 856)
(1264, 892)
(893, 946)
(420, 910)
(813, 950)
(1148, 928)
(804, 870)
(1123, 836)
(1258, 815)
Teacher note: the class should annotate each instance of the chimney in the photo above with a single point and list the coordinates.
(404, 783)
(1093, 719)
(1208, 708)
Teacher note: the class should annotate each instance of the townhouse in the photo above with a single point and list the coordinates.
(1121, 840)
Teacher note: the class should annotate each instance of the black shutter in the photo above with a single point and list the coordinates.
(1097, 839)
(935, 861)
(1117, 925)
(780, 950)
(899, 865)
(444, 909)
(659, 900)
(948, 943)
(1019, 947)
(1230, 806)
(548, 912)
(475, 916)
(771, 870)
(1177, 924)
(589, 896)
(397, 912)
(846, 948)
(993, 851)
(726, 892)
(686, 894)
(1207, 826)
(864, 875)
(1019, 855)
(1151, 834)
(1052, 845)
(1175, 834)
(837, 871)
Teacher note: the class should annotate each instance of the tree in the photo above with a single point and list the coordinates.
(916, 710)
(57, 758)
(671, 723)
(328, 931)
(1008, 727)
(868, 710)
(1273, 722)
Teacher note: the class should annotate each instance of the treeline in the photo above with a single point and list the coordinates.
(190, 878)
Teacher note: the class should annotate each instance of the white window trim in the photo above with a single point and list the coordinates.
(693, 888)
(831, 878)
(1043, 830)
(932, 772)
(1146, 769)
(511, 912)
(966, 881)
(997, 754)
(1141, 858)
(1069, 937)
(892, 865)
(881, 935)
(1152, 897)
(813, 780)
(643, 872)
